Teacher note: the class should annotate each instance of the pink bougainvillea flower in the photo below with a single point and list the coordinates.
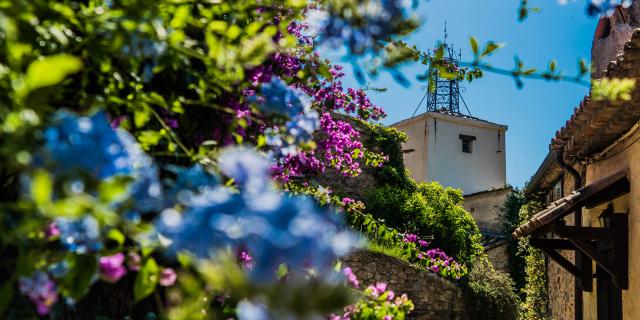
(245, 259)
(381, 287)
(111, 267)
(390, 295)
(351, 277)
(409, 237)
(347, 201)
(51, 230)
(134, 261)
(167, 277)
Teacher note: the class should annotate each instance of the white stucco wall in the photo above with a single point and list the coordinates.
(435, 138)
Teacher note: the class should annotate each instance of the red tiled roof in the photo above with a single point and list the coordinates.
(596, 124)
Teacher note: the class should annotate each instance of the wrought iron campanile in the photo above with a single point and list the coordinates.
(445, 93)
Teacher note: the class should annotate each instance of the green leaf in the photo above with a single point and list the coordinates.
(82, 269)
(114, 189)
(116, 235)
(141, 117)
(149, 138)
(6, 295)
(180, 17)
(490, 48)
(41, 187)
(474, 45)
(583, 68)
(146, 280)
(439, 53)
(51, 70)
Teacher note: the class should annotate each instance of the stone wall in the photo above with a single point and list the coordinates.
(561, 290)
(434, 297)
(499, 256)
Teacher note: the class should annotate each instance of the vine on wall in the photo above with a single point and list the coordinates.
(536, 298)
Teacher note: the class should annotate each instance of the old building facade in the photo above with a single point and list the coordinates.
(591, 182)
(465, 153)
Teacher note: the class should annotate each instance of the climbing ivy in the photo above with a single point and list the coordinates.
(535, 302)
(509, 217)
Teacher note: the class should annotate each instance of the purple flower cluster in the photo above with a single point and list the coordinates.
(40, 289)
(434, 260)
(298, 29)
(245, 259)
(168, 277)
(339, 145)
(409, 237)
(351, 277)
(437, 261)
(112, 267)
(330, 96)
(379, 300)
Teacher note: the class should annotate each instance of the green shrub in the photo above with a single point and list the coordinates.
(535, 302)
(509, 216)
(431, 210)
(490, 293)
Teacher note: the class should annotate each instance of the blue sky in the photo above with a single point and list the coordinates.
(534, 113)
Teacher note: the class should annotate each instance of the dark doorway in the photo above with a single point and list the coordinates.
(609, 297)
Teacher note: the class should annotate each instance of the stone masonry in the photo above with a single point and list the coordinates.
(434, 297)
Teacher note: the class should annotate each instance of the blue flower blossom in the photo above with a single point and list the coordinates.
(596, 7)
(86, 143)
(275, 228)
(79, 235)
(279, 98)
(248, 310)
(370, 22)
(299, 130)
(303, 126)
(247, 168)
(90, 145)
(190, 182)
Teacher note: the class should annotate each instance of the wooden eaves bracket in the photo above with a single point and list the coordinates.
(582, 239)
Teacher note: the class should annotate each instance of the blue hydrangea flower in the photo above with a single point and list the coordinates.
(296, 232)
(299, 130)
(273, 227)
(596, 7)
(247, 168)
(279, 98)
(190, 182)
(79, 235)
(303, 126)
(377, 20)
(248, 310)
(90, 145)
(86, 143)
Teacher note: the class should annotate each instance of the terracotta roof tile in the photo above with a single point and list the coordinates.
(596, 124)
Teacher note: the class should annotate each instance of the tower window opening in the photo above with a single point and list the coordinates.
(467, 143)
